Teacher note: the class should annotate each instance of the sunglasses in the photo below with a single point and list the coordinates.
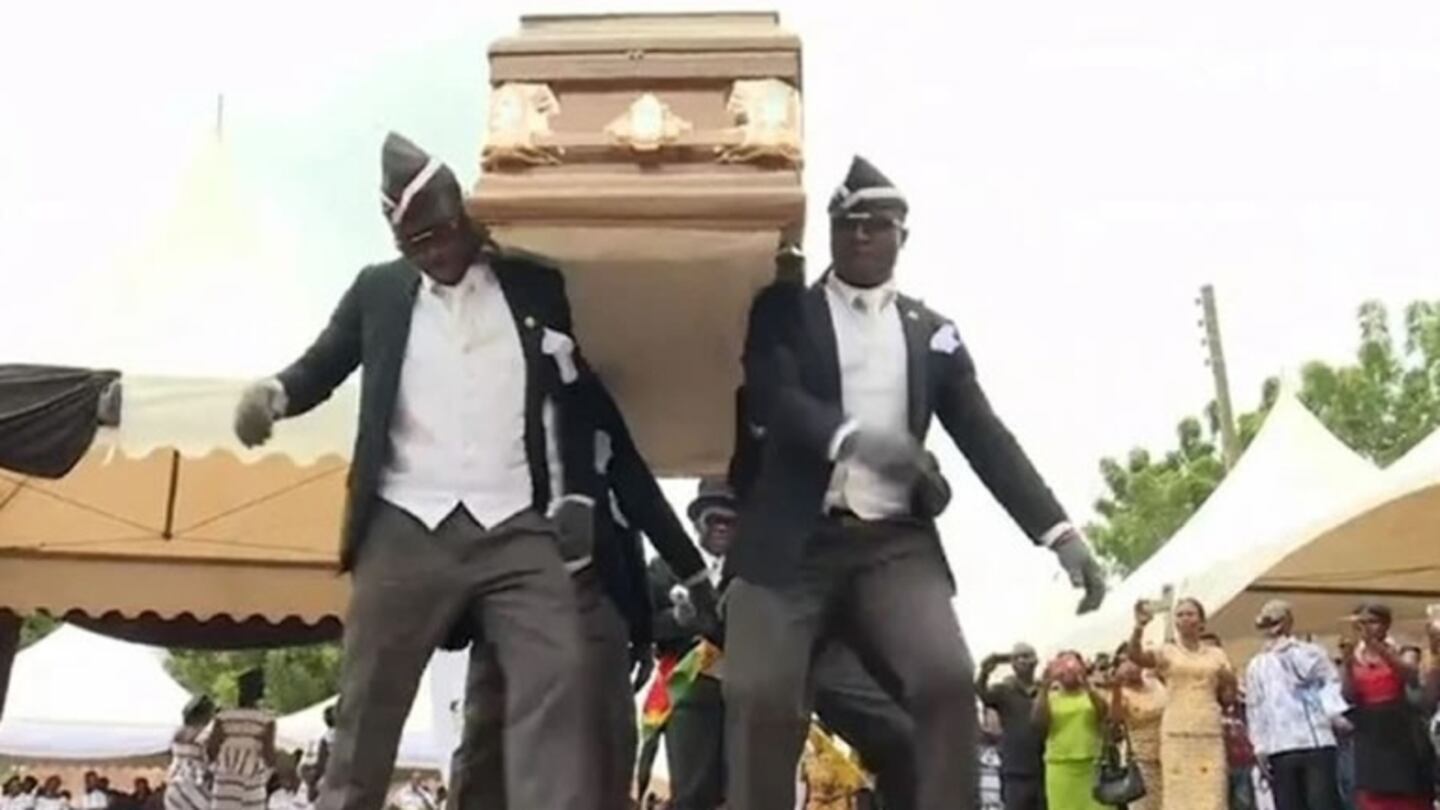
(868, 224)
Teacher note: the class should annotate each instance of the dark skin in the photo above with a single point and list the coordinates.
(717, 531)
(1022, 664)
(865, 245)
(1068, 675)
(1189, 627)
(1373, 632)
(439, 240)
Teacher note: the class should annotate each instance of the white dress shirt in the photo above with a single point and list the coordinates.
(874, 392)
(458, 432)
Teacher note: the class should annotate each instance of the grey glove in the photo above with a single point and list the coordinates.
(574, 519)
(642, 665)
(895, 455)
(255, 416)
(1084, 571)
(707, 611)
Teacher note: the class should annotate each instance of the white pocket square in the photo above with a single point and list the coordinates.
(561, 347)
(945, 340)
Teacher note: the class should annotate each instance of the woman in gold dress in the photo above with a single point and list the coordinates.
(1138, 701)
(1192, 750)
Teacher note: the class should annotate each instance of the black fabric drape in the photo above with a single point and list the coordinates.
(48, 416)
(216, 633)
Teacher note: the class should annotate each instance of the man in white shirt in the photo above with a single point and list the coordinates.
(844, 379)
(1294, 707)
(458, 487)
(95, 797)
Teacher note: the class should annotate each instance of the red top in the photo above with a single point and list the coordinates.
(1375, 683)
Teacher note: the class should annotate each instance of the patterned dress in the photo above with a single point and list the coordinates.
(240, 769)
(187, 780)
(1142, 710)
(1192, 748)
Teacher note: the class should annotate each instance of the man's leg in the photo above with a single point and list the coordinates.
(695, 747)
(403, 600)
(1287, 781)
(613, 738)
(525, 603)
(898, 610)
(851, 704)
(477, 769)
(1022, 792)
(769, 640)
(1322, 785)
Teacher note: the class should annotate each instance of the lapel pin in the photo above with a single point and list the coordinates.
(529, 322)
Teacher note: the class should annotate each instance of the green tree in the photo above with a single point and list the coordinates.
(1381, 404)
(1149, 499)
(1388, 399)
(295, 677)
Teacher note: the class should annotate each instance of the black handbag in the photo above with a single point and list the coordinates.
(1119, 781)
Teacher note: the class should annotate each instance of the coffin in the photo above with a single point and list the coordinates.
(656, 160)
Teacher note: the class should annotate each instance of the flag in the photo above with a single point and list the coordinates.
(673, 678)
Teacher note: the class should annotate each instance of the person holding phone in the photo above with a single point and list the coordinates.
(1394, 763)
(1022, 743)
(1192, 748)
(1073, 717)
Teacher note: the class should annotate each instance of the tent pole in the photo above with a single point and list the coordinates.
(169, 531)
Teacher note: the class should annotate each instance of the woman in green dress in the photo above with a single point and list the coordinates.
(1073, 717)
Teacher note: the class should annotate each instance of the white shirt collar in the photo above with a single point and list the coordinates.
(874, 299)
(478, 275)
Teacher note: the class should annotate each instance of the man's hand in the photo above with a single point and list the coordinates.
(642, 664)
(707, 612)
(1342, 725)
(895, 455)
(1084, 571)
(256, 413)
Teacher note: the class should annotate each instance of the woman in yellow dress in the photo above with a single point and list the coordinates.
(1138, 701)
(1192, 749)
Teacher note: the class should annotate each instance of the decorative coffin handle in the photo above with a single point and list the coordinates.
(647, 125)
(768, 127)
(520, 115)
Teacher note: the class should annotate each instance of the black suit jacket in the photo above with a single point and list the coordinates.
(792, 395)
(371, 327)
(630, 503)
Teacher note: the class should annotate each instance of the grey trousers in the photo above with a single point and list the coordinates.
(883, 588)
(410, 587)
(477, 766)
(847, 700)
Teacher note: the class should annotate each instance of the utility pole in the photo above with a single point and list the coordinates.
(1211, 323)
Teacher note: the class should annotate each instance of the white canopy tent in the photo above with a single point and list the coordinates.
(432, 727)
(1293, 470)
(78, 695)
(1381, 543)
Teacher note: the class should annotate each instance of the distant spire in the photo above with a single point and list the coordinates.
(220, 117)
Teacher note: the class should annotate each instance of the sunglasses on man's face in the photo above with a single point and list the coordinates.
(868, 224)
(421, 239)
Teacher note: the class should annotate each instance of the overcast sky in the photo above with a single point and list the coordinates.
(1076, 170)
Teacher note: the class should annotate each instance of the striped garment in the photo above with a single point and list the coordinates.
(185, 780)
(240, 770)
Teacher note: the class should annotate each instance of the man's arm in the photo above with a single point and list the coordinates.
(989, 446)
(639, 494)
(310, 380)
(982, 683)
(667, 627)
(776, 400)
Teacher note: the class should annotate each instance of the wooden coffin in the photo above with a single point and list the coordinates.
(656, 160)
